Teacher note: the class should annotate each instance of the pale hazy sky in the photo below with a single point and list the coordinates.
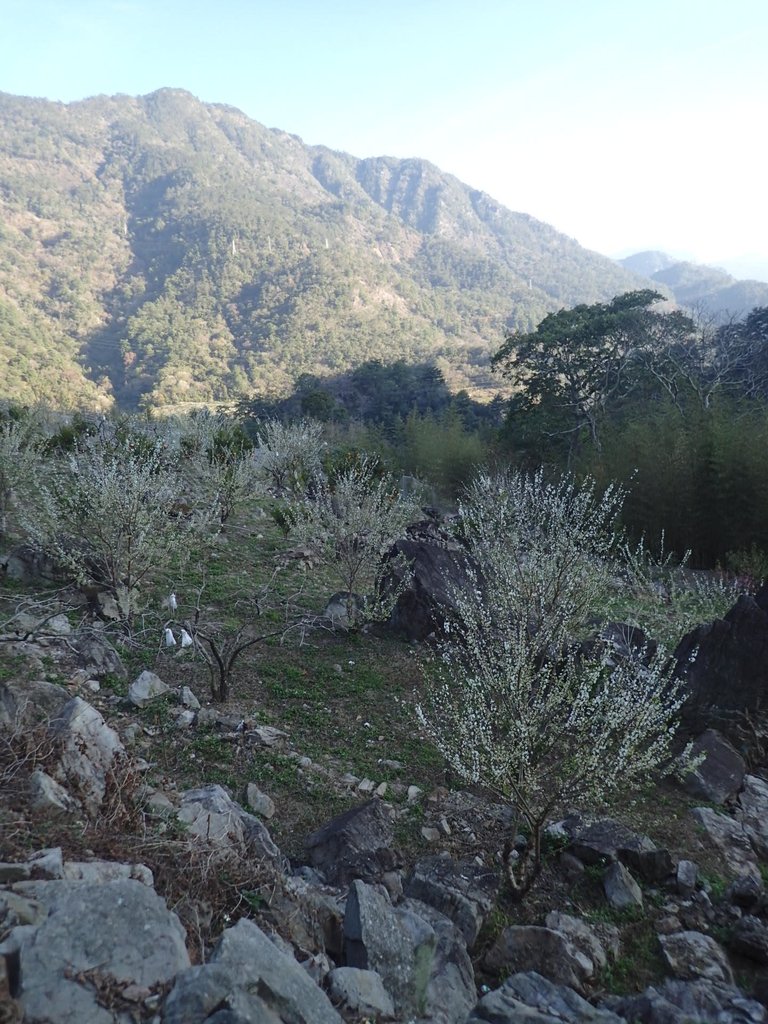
(626, 125)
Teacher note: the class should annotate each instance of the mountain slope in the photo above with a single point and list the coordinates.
(698, 286)
(158, 250)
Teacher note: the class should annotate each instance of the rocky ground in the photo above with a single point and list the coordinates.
(299, 854)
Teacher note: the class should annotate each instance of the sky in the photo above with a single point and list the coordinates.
(626, 125)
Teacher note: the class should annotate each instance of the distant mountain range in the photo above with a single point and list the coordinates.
(706, 289)
(157, 251)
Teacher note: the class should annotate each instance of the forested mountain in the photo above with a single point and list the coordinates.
(158, 250)
(699, 287)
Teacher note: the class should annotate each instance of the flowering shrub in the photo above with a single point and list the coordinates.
(289, 453)
(514, 704)
(349, 522)
(107, 514)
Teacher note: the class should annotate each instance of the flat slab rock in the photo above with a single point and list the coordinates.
(528, 997)
(117, 934)
(248, 979)
(461, 890)
(606, 840)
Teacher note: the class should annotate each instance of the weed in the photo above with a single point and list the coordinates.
(714, 885)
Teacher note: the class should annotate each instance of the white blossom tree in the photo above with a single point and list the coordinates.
(514, 703)
(108, 513)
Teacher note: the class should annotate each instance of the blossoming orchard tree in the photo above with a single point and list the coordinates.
(515, 703)
(108, 513)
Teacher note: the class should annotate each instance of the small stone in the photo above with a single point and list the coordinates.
(432, 835)
(445, 828)
(413, 793)
(366, 786)
(185, 719)
(349, 779)
(188, 699)
(159, 804)
(49, 795)
(621, 890)
(93, 685)
(304, 762)
(259, 801)
(381, 789)
(130, 733)
(145, 688)
(668, 925)
(687, 877)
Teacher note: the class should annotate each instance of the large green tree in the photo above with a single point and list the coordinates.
(581, 363)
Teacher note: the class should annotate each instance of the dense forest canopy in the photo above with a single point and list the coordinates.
(158, 251)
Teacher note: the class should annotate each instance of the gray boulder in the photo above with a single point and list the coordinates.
(721, 774)
(461, 891)
(259, 801)
(752, 813)
(598, 947)
(111, 935)
(683, 1002)
(46, 794)
(24, 704)
(97, 657)
(310, 915)
(88, 752)
(145, 688)
(249, 980)
(549, 953)
(725, 665)
(451, 990)
(396, 943)
(356, 844)
(749, 938)
(730, 839)
(606, 840)
(212, 816)
(692, 955)
(529, 998)
(427, 566)
(621, 890)
(360, 992)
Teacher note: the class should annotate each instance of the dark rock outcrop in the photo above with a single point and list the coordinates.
(438, 565)
(725, 665)
(356, 844)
